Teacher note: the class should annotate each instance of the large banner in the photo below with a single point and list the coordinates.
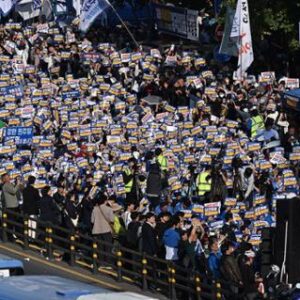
(228, 46)
(177, 21)
(91, 9)
(241, 33)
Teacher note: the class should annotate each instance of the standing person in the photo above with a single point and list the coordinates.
(127, 214)
(129, 178)
(203, 183)
(161, 226)
(49, 209)
(70, 216)
(103, 219)
(10, 193)
(31, 205)
(214, 258)
(70, 219)
(133, 232)
(149, 238)
(60, 196)
(163, 165)
(149, 245)
(248, 276)
(289, 140)
(171, 240)
(10, 199)
(247, 184)
(229, 267)
(256, 122)
(154, 182)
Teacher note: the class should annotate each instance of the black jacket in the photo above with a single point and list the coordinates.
(229, 269)
(31, 201)
(248, 276)
(132, 238)
(70, 212)
(149, 241)
(50, 211)
(154, 181)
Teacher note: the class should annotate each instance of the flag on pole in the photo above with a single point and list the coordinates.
(37, 4)
(217, 6)
(6, 6)
(228, 46)
(241, 33)
(91, 9)
(77, 6)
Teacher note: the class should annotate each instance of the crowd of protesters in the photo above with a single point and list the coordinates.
(162, 150)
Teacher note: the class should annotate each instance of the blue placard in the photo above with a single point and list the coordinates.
(21, 135)
(71, 94)
(16, 91)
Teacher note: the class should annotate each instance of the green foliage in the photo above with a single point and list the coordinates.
(278, 18)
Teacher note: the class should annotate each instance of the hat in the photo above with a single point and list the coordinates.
(250, 254)
(116, 207)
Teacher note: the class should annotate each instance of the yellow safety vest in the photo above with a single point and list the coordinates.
(202, 184)
(129, 184)
(257, 123)
(163, 163)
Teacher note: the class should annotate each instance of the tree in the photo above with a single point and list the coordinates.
(276, 18)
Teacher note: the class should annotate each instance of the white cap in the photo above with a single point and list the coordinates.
(250, 253)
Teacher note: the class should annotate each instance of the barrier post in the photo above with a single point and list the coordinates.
(95, 256)
(218, 294)
(4, 226)
(49, 242)
(119, 264)
(26, 243)
(72, 249)
(197, 286)
(172, 281)
(144, 272)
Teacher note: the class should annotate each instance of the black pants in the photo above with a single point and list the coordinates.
(14, 229)
(105, 249)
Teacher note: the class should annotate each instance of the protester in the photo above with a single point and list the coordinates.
(49, 211)
(149, 240)
(31, 205)
(165, 133)
(10, 193)
(228, 266)
(171, 239)
(103, 219)
(214, 258)
(249, 279)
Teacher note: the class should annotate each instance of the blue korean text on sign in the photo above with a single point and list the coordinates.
(16, 91)
(21, 135)
(71, 94)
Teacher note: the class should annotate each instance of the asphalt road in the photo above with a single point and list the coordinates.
(35, 264)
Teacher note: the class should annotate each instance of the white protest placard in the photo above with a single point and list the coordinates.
(42, 28)
(292, 83)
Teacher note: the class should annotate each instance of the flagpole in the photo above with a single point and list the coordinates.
(126, 27)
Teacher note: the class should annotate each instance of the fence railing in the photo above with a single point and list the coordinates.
(127, 265)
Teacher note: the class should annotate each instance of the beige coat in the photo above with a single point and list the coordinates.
(101, 215)
(9, 195)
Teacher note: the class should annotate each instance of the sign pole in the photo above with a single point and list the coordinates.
(126, 27)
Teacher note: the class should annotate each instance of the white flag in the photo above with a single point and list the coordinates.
(77, 6)
(6, 6)
(241, 32)
(91, 9)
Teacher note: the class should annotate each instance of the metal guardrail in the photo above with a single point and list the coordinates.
(128, 265)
